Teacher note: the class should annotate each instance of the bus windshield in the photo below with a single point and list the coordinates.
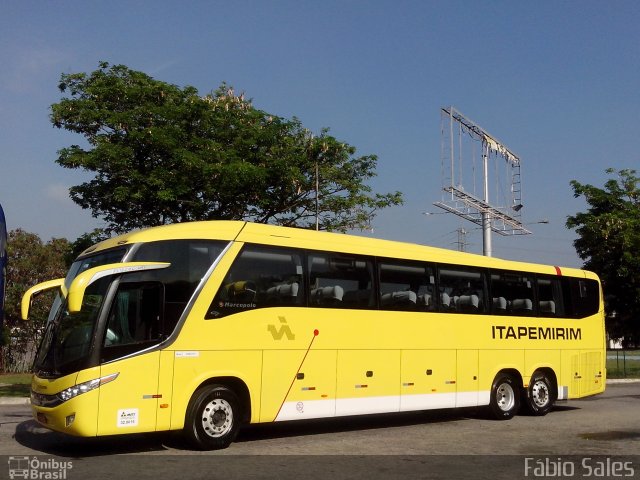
(142, 312)
(67, 337)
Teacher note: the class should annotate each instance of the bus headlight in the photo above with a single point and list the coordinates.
(85, 387)
(51, 401)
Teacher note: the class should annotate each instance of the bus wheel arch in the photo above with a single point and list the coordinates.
(237, 386)
(542, 392)
(504, 400)
(216, 411)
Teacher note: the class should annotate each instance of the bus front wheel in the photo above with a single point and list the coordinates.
(213, 418)
(540, 395)
(505, 397)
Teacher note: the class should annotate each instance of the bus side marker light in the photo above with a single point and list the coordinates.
(164, 405)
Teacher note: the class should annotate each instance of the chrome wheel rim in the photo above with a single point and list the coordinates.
(505, 397)
(217, 418)
(540, 393)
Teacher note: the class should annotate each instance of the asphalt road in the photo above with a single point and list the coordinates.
(592, 437)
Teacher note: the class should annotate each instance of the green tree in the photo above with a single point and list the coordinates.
(164, 154)
(31, 262)
(609, 242)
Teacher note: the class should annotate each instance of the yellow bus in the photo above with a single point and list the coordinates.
(207, 326)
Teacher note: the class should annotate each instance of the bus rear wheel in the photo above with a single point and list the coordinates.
(540, 395)
(505, 397)
(213, 418)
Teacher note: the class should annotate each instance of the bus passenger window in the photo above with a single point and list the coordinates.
(584, 295)
(511, 293)
(340, 281)
(260, 277)
(406, 286)
(550, 298)
(461, 290)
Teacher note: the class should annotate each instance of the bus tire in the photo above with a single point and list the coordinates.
(213, 418)
(505, 397)
(540, 395)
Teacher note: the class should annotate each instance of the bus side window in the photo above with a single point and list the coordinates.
(512, 293)
(461, 290)
(260, 277)
(340, 281)
(584, 295)
(406, 286)
(190, 260)
(136, 318)
(550, 297)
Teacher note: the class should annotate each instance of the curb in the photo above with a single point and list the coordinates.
(622, 380)
(15, 401)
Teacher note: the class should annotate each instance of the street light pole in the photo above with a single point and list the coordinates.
(486, 216)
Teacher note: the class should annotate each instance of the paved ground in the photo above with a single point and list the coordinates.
(442, 444)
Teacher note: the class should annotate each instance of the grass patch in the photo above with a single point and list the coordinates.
(623, 364)
(15, 385)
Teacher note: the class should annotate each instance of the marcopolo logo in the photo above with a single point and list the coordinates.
(38, 469)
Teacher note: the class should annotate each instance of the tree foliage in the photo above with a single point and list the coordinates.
(162, 154)
(31, 262)
(609, 242)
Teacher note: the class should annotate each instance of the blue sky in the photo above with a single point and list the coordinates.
(555, 81)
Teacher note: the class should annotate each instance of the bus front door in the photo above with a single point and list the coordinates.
(129, 403)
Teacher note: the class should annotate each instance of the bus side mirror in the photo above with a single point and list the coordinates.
(34, 291)
(83, 280)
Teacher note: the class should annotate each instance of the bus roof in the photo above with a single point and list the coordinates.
(242, 231)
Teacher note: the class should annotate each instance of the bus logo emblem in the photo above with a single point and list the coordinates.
(284, 329)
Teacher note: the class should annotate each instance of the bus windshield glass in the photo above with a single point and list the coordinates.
(142, 312)
(67, 337)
